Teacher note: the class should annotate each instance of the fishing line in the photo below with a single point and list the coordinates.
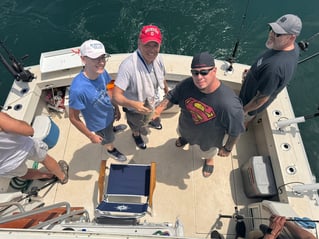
(303, 45)
(231, 59)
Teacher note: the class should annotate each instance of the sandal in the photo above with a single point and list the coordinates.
(65, 169)
(180, 142)
(207, 169)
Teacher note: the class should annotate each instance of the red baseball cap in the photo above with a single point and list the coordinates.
(150, 33)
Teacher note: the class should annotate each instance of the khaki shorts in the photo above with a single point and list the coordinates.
(137, 121)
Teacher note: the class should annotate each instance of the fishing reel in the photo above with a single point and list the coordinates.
(14, 66)
(303, 45)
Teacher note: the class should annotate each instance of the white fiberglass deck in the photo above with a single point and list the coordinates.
(181, 190)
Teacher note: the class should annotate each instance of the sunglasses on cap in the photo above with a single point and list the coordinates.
(201, 72)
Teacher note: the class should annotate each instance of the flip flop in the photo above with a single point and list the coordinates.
(65, 169)
(47, 179)
(180, 142)
(207, 169)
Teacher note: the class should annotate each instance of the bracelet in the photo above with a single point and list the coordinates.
(226, 149)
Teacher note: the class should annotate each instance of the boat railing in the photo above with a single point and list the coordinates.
(9, 204)
(51, 222)
(68, 214)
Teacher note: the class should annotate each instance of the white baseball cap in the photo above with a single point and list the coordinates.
(92, 49)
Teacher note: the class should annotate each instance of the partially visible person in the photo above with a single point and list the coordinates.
(17, 146)
(275, 230)
(273, 70)
(277, 224)
(139, 82)
(210, 110)
(88, 95)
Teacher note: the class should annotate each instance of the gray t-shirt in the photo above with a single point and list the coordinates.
(206, 118)
(132, 72)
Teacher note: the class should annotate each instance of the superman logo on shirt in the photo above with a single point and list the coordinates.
(201, 112)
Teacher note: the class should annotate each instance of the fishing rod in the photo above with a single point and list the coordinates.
(292, 219)
(309, 57)
(304, 44)
(281, 124)
(14, 66)
(34, 190)
(231, 59)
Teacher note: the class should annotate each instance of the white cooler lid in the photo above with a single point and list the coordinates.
(41, 126)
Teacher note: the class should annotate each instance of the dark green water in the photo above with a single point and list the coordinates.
(189, 26)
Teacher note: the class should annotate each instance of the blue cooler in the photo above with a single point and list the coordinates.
(46, 130)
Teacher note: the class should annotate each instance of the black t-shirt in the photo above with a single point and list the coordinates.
(206, 118)
(269, 75)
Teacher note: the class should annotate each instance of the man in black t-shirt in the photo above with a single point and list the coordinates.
(273, 70)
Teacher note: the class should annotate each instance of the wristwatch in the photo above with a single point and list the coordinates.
(269, 230)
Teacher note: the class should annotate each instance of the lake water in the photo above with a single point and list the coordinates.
(35, 26)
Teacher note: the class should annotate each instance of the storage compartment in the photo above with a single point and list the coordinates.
(46, 130)
(258, 177)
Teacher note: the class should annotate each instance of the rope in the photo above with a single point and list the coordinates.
(20, 183)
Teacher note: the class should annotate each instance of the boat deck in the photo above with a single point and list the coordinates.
(181, 191)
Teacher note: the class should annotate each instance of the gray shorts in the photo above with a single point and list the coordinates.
(212, 152)
(136, 121)
(37, 153)
(107, 134)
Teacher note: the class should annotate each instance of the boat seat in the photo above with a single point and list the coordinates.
(129, 192)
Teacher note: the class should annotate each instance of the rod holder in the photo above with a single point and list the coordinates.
(282, 124)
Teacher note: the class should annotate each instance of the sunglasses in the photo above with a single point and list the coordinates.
(202, 72)
(276, 34)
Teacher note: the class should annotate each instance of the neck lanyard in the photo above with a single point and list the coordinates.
(144, 63)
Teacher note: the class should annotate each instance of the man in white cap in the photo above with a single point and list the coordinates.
(273, 70)
(88, 96)
(139, 82)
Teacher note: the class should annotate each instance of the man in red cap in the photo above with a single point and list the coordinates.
(139, 82)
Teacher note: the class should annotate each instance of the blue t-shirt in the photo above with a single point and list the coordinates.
(91, 98)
